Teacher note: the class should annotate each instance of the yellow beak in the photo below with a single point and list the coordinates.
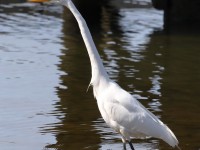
(38, 1)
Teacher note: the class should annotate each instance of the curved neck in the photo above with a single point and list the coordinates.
(98, 70)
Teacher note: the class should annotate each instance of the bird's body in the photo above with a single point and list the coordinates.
(127, 116)
(120, 110)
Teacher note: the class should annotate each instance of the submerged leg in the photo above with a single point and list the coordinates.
(124, 146)
(124, 142)
(131, 145)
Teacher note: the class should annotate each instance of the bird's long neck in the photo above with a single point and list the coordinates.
(98, 70)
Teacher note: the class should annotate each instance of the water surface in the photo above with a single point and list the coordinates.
(45, 71)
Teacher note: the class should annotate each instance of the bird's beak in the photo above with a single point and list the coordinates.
(38, 1)
(43, 1)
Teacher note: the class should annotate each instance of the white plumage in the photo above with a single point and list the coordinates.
(127, 116)
(120, 110)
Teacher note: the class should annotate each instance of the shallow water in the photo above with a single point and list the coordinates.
(45, 71)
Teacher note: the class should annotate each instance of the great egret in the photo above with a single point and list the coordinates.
(119, 109)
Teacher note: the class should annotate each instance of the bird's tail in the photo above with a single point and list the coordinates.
(158, 129)
(169, 137)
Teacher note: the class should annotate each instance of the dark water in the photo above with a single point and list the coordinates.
(45, 71)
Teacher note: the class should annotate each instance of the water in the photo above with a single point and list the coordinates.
(45, 71)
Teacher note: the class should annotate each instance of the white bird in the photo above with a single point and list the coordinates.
(120, 110)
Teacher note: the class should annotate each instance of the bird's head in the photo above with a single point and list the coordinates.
(62, 2)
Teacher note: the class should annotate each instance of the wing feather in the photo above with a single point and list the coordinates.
(126, 112)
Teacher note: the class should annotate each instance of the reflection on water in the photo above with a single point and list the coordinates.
(28, 75)
(45, 71)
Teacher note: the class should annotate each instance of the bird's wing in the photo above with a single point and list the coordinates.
(128, 113)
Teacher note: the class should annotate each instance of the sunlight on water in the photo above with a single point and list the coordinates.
(28, 76)
(45, 72)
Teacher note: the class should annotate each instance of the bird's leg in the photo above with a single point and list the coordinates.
(124, 142)
(131, 145)
(124, 146)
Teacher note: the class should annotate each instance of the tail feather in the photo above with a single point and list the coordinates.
(158, 129)
(169, 137)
